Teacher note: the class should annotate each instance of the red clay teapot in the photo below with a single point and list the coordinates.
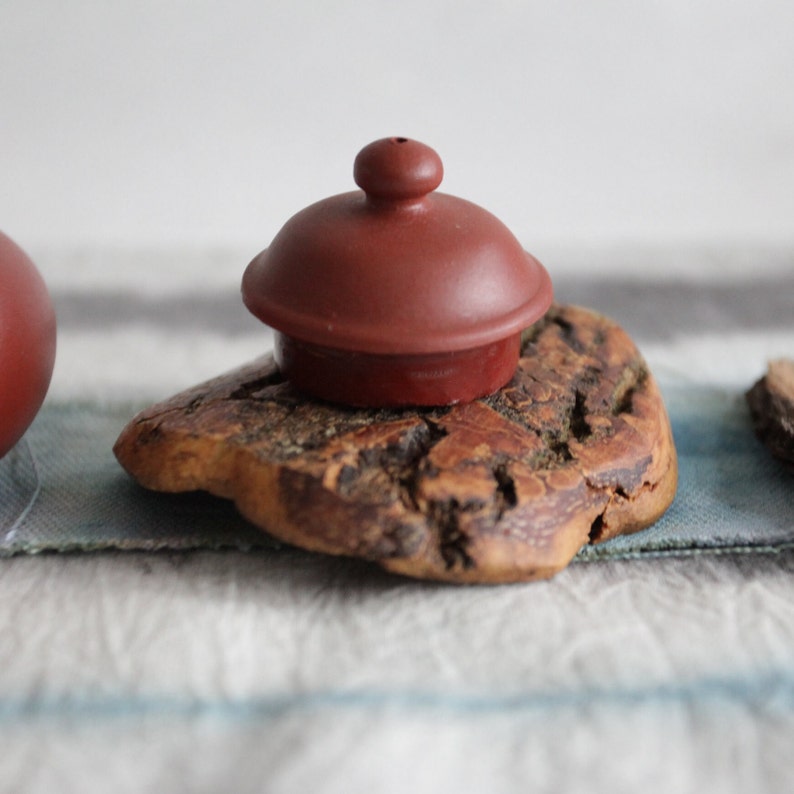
(27, 342)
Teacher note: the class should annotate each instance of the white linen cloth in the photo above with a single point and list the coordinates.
(281, 671)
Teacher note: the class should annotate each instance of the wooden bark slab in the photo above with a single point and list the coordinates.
(771, 402)
(575, 450)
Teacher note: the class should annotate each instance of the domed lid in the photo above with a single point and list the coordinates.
(396, 269)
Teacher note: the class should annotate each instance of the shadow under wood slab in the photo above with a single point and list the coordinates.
(576, 449)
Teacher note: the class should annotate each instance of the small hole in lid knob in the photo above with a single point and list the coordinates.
(397, 173)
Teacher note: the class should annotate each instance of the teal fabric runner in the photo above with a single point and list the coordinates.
(63, 490)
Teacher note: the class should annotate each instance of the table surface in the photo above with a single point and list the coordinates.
(664, 661)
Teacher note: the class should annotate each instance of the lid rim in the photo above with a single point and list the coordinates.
(374, 338)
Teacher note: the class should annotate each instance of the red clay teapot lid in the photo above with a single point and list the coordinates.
(396, 268)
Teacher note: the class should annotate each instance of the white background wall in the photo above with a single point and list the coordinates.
(147, 122)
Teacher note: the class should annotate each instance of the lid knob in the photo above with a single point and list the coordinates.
(397, 169)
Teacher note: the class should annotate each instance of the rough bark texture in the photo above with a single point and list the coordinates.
(771, 402)
(575, 450)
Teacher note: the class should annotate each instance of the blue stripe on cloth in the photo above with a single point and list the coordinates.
(774, 689)
(732, 494)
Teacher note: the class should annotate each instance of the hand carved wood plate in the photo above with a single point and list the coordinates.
(576, 449)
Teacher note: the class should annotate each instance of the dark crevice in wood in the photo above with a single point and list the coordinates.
(506, 497)
(596, 529)
(580, 428)
(532, 334)
(633, 379)
(568, 333)
(247, 391)
(558, 446)
(411, 463)
(453, 543)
